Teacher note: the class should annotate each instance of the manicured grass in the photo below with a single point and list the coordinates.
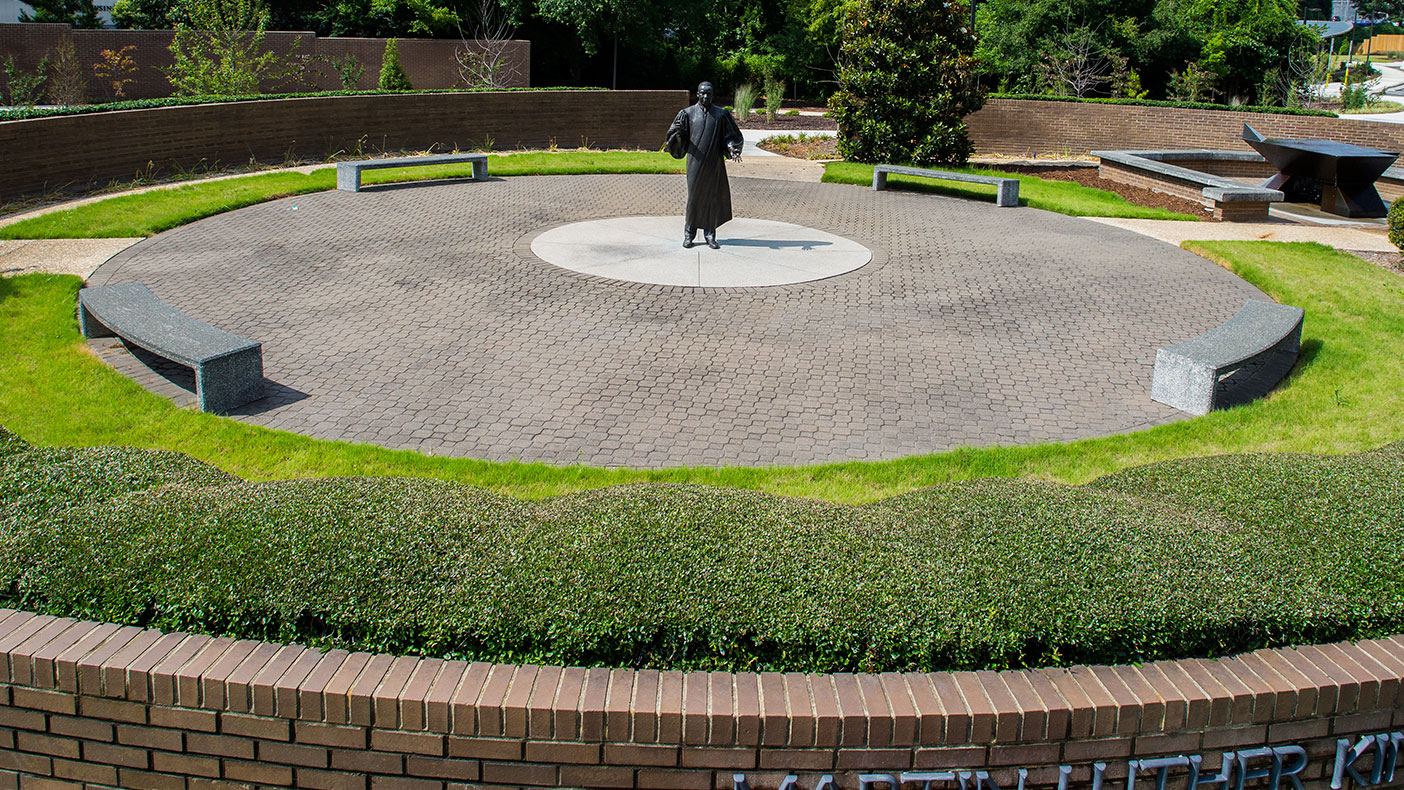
(151, 212)
(1342, 397)
(1198, 557)
(1063, 197)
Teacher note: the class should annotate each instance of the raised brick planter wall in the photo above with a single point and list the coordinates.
(112, 706)
(1025, 127)
(429, 63)
(43, 154)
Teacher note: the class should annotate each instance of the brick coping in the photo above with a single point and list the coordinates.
(712, 708)
(88, 695)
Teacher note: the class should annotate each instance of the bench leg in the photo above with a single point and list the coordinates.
(348, 179)
(480, 171)
(1183, 384)
(231, 381)
(90, 326)
(879, 181)
(1008, 194)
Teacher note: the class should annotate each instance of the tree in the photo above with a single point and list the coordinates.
(483, 62)
(79, 13)
(906, 82)
(392, 74)
(220, 51)
(386, 18)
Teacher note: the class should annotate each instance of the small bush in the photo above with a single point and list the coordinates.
(1204, 557)
(392, 74)
(1396, 224)
(349, 71)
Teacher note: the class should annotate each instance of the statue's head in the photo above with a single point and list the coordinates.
(704, 94)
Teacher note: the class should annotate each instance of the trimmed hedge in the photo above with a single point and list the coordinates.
(1184, 105)
(1194, 557)
(24, 113)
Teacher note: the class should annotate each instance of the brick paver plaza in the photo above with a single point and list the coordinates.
(417, 317)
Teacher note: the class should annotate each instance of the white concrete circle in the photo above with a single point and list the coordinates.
(754, 252)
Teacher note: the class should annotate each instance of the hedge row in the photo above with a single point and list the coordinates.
(24, 113)
(1185, 105)
(1194, 557)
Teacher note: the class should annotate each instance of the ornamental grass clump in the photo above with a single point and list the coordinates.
(907, 81)
(1199, 557)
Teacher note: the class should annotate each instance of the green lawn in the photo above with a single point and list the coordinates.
(1063, 197)
(1343, 397)
(151, 212)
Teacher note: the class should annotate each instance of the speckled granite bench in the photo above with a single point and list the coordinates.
(1229, 200)
(348, 174)
(1235, 362)
(228, 368)
(1008, 194)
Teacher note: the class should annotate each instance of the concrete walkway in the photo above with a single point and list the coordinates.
(58, 256)
(1175, 232)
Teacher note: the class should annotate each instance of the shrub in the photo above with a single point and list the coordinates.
(906, 78)
(220, 51)
(744, 101)
(1201, 556)
(1396, 224)
(23, 89)
(392, 74)
(116, 68)
(68, 80)
(349, 71)
(774, 95)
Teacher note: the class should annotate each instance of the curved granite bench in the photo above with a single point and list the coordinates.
(228, 368)
(1235, 362)
(1230, 200)
(1006, 196)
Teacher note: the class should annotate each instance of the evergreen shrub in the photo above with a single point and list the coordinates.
(907, 81)
(1196, 557)
(392, 74)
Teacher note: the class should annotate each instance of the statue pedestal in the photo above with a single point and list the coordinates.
(754, 252)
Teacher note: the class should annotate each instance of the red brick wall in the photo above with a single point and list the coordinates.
(1027, 128)
(428, 62)
(58, 152)
(110, 706)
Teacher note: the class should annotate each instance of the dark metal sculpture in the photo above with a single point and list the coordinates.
(1340, 176)
(706, 134)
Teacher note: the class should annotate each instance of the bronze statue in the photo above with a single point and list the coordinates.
(706, 134)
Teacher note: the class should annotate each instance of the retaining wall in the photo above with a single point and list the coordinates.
(1025, 127)
(429, 63)
(121, 706)
(76, 151)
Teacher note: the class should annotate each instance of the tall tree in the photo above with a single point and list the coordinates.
(79, 13)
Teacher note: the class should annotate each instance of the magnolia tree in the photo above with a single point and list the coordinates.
(906, 76)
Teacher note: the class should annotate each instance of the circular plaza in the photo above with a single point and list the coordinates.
(420, 317)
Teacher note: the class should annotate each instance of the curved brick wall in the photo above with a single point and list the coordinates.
(121, 706)
(78, 150)
(1026, 127)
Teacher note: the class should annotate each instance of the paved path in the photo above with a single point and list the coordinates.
(417, 317)
(1175, 232)
(58, 256)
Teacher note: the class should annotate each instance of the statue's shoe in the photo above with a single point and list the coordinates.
(688, 243)
(712, 242)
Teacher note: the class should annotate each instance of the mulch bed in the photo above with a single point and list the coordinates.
(822, 148)
(789, 123)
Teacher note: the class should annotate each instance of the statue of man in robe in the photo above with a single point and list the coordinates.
(706, 134)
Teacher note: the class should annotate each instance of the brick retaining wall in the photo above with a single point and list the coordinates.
(78, 150)
(121, 706)
(429, 63)
(1025, 127)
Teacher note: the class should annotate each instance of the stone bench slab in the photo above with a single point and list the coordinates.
(1008, 188)
(228, 368)
(1216, 188)
(1257, 348)
(348, 174)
